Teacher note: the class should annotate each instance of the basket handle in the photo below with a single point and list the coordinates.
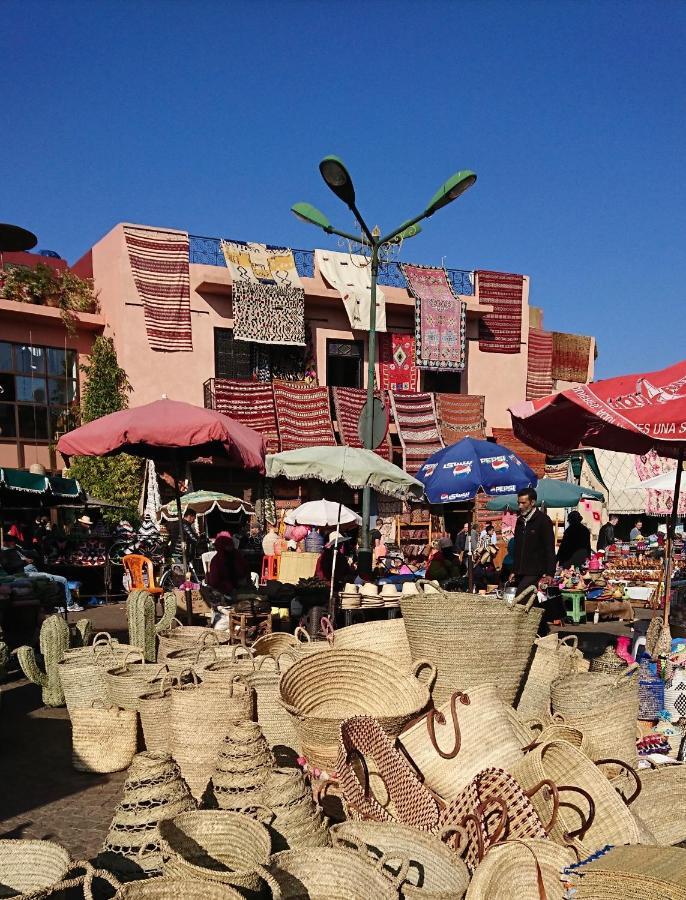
(396, 878)
(175, 623)
(434, 589)
(202, 640)
(429, 680)
(85, 880)
(531, 592)
(630, 771)
(269, 880)
(261, 661)
(202, 649)
(436, 715)
(107, 638)
(552, 787)
(294, 711)
(98, 700)
(302, 631)
(327, 629)
(579, 832)
(570, 641)
(246, 652)
(162, 668)
(189, 670)
(133, 650)
(93, 873)
(165, 678)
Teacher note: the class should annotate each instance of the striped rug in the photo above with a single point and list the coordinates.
(571, 356)
(159, 263)
(500, 331)
(415, 418)
(535, 460)
(249, 402)
(459, 416)
(348, 403)
(539, 367)
(303, 415)
(559, 471)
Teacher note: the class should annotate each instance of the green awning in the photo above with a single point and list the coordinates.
(69, 488)
(18, 480)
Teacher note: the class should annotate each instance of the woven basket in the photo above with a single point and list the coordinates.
(387, 638)
(103, 739)
(511, 870)
(633, 873)
(216, 846)
(434, 871)
(471, 732)
(471, 640)
(205, 651)
(229, 661)
(675, 693)
(608, 663)
(127, 681)
(274, 720)
(297, 821)
(553, 658)
(323, 690)
(274, 644)
(176, 889)
(82, 671)
(328, 874)
(661, 805)
(180, 637)
(30, 866)
(243, 765)
(651, 691)
(154, 709)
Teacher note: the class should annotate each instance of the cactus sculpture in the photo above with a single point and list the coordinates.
(140, 609)
(54, 640)
(84, 633)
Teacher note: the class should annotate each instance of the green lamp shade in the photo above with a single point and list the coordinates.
(311, 214)
(338, 178)
(451, 190)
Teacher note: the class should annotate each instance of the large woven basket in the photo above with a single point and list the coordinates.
(328, 874)
(661, 805)
(274, 644)
(553, 658)
(275, 721)
(30, 866)
(632, 873)
(434, 871)
(471, 640)
(176, 889)
(103, 738)
(511, 870)
(221, 664)
(387, 638)
(323, 690)
(154, 709)
(133, 677)
(243, 765)
(179, 637)
(82, 670)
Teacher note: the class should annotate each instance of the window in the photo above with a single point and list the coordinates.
(442, 382)
(38, 385)
(261, 362)
(232, 359)
(344, 363)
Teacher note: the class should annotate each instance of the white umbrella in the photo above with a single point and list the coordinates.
(664, 482)
(322, 513)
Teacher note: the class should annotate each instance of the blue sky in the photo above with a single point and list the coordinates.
(212, 116)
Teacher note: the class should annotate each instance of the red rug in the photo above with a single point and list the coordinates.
(415, 418)
(397, 362)
(249, 402)
(500, 331)
(571, 356)
(535, 460)
(440, 319)
(348, 403)
(159, 263)
(303, 415)
(459, 416)
(539, 367)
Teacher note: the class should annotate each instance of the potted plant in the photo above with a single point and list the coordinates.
(63, 290)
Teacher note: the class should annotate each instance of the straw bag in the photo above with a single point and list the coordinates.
(176, 889)
(591, 812)
(661, 805)
(274, 644)
(387, 638)
(470, 732)
(203, 652)
(243, 765)
(377, 782)
(31, 869)
(512, 869)
(470, 639)
(296, 822)
(632, 873)
(215, 846)
(180, 637)
(103, 738)
(327, 874)
(154, 710)
(127, 681)
(326, 688)
(434, 871)
(275, 722)
(82, 671)
(553, 658)
(227, 662)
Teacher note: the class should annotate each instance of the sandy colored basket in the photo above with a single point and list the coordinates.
(661, 805)
(323, 690)
(511, 870)
(243, 765)
(176, 889)
(216, 846)
(297, 821)
(154, 709)
(274, 644)
(103, 738)
(632, 873)
(328, 874)
(471, 732)
(553, 658)
(434, 871)
(387, 638)
(228, 661)
(82, 670)
(471, 640)
(30, 866)
(131, 678)
(180, 637)
(274, 720)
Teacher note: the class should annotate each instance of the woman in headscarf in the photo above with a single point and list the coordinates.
(228, 568)
(575, 546)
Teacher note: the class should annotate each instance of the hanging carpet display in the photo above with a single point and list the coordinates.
(571, 357)
(350, 275)
(440, 319)
(460, 415)
(303, 415)
(397, 366)
(268, 314)
(539, 368)
(415, 419)
(559, 471)
(159, 264)
(348, 403)
(257, 262)
(535, 460)
(500, 331)
(252, 404)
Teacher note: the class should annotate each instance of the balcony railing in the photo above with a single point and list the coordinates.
(207, 251)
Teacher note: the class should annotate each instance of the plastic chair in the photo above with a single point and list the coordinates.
(136, 565)
(270, 569)
(207, 558)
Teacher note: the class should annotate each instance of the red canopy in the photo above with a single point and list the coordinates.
(631, 413)
(167, 430)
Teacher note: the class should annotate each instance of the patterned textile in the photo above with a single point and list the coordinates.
(459, 416)
(559, 470)
(571, 355)
(159, 263)
(535, 317)
(268, 314)
(415, 418)
(617, 470)
(397, 362)
(500, 331)
(350, 275)
(348, 403)
(659, 502)
(535, 460)
(440, 319)
(539, 369)
(257, 262)
(251, 403)
(303, 415)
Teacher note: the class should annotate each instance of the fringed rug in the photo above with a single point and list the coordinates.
(559, 471)
(258, 262)
(571, 356)
(415, 418)
(350, 275)
(535, 460)
(159, 263)
(348, 403)
(460, 416)
(539, 367)
(397, 362)
(659, 502)
(252, 404)
(500, 331)
(440, 319)
(268, 314)
(303, 415)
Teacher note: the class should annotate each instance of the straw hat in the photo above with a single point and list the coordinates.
(369, 590)
(390, 591)
(409, 588)
(350, 589)
(85, 520)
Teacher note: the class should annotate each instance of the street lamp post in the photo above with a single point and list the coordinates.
(336, 176)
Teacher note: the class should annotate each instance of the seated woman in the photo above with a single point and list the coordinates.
(345, 572)
(228, 569)
(444, 564)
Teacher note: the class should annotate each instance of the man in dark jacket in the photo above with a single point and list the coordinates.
(534, 552)
(606, 535)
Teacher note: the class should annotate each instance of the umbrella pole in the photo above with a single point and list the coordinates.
(184, 549)
(669, 549)
(333, 568)
(470, 557)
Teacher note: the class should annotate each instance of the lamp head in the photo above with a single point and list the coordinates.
(450, 190)
(310, 214)
(406, 233)
(338, 179)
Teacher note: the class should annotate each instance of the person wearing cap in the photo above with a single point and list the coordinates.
(444, 563)
(345, 571)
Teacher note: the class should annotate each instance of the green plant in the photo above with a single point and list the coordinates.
(42, 284)
(54, 641)
(140, 610)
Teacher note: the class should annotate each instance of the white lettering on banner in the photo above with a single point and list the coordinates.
(455, 497)
(504, 489)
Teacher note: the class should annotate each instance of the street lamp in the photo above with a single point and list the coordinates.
(337, 177)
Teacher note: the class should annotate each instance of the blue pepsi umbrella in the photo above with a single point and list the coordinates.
(457, 473)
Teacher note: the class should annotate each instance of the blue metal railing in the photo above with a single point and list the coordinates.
(207, 251)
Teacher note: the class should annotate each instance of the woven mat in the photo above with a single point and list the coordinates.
(159, 263)
(459, 416)
(440, 319)
(348, 403)
(501, 330)
(539, 367)
(397, 362)
(535, 460)
(303, 415)
(252, 404)
(268, 314)
(415, 418)
(252, 262)
(571, 355)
